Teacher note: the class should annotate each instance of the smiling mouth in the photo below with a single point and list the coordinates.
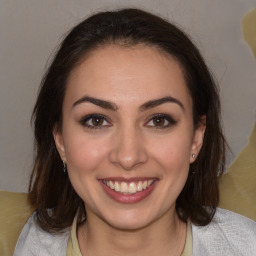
(128, 188)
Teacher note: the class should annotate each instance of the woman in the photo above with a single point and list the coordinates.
(129, 147)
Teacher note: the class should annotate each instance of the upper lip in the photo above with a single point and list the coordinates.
(131, 179)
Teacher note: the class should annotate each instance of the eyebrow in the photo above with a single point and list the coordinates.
(157, 102)
(112, 106)
(101, 103)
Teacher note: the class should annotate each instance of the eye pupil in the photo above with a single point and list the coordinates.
(158, 121)
(97, 121)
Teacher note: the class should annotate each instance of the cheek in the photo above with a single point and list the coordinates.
(173, 151)
(84, 159)
(84, 154)
(172, 156)
(174, 163)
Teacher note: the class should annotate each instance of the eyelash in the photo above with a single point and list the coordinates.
(163, 117)
(90, 117)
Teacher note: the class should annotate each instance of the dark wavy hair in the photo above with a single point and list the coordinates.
(51, 189)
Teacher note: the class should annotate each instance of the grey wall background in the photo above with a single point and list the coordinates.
(30, 30)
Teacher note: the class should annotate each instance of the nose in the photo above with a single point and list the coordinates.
(128, 149)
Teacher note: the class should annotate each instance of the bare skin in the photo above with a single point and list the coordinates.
(127, 120)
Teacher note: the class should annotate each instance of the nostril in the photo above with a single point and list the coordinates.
(128, 160)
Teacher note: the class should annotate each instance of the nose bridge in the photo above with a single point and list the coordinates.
(128, 150)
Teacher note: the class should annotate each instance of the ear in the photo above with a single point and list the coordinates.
(198, 139)
(58, 138)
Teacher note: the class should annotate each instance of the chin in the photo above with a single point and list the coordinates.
(129, 220)
(129, 225)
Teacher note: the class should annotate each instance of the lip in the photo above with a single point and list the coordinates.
(128, 198)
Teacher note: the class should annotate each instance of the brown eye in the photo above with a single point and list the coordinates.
(161, 121)
(95, 121)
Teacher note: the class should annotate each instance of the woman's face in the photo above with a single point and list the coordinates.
(128, 135)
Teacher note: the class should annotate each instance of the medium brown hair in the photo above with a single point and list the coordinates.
(51, 189)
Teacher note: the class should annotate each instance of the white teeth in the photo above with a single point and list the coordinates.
(124, 187)
(128, 187)
(144, 184)
(139, 186)
(117, 186)
(132, 188)
(111, 185)
(150, 182)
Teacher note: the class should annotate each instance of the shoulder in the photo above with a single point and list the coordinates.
(227, 234)
(13, 215)
(35, 241)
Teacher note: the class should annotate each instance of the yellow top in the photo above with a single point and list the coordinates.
(73, 247)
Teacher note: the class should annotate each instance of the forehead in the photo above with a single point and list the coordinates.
(137, 73)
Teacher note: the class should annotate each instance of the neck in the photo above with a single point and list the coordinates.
(166, 236)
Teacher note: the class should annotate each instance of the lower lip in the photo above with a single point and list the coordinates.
(126, 198)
